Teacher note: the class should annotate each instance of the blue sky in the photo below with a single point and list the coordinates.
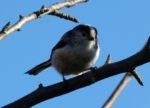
(123, 27)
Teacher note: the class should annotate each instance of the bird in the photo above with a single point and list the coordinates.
(75, 53)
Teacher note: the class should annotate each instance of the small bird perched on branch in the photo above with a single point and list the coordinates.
(76, 52)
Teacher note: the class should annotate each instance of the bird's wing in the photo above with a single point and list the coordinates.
(63, 41)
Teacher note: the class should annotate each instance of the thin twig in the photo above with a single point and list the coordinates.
(64, 15)
(137, 77)
(117, 91)
(108, 61)
(5, 28)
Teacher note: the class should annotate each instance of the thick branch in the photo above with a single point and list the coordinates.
(44, 93)
(24, 19)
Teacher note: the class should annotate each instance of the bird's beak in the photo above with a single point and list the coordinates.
(92, 34)
(91, 38)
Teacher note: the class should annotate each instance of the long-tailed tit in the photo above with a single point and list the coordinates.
(76, 52)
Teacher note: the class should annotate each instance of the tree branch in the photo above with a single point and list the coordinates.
(43, 11)
(63, 15)
(110, 101)
(108, 70)
(117, 91)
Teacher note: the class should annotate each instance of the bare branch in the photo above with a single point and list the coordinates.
(63, 15)
(43, 11)
(117, 91)
(137, 77)
(108, 61)
(44, 93)
(5, 28)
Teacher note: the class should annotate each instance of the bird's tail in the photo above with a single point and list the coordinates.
(37, 69)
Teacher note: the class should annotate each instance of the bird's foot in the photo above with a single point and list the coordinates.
(94, 70)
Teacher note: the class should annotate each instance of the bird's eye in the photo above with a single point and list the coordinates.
(84, 33)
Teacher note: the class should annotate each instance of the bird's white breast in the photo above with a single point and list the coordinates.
(75, 60)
